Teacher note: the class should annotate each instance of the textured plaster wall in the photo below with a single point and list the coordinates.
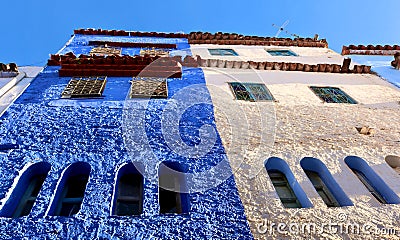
(62, 132)
(299, 125)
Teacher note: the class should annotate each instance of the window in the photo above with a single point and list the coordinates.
(71, 190)
(369, 186)
(332, 95)
(375, 185)
(85, 87)
(324, 183)
(251, 91)
(222, 52)
(103, 51)
(282, 187)
(26, 191)
(281, 53)
(129, 192)
(288, 189)
(322, 189)
(172, 189)
(154, 52)
(149, 88)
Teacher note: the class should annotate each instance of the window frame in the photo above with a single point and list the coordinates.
(95, 84)
(278, 184)
(368, 185)
(127, 170)
(322, 91)
(173, 171)
(252, 95)
(321, 188)
(272, 52)
(222, 52)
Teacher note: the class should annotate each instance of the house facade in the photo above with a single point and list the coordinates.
(133, 135)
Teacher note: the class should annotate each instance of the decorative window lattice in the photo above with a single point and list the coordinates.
(84, 87)
(102, 51)
(154, 52)
(149, 88)
(281, 53)
(222, 52)
(251, 91)
(332, 95)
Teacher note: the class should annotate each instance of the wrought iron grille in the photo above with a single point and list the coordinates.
(84, 87)
(154, 52)
(149, 88)
(102, 51)
(251, 91)
(332, 95)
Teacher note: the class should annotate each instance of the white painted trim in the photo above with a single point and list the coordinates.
(12, 83)
(69, 41)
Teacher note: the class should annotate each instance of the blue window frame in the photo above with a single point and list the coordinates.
(288, 189)
(128, 192)
(374, 184)
(71, 190)
(173, 196)
(281, 52)
(251, 91)
(332, 95)
(222, 52)
(26, 191)
(324, 183)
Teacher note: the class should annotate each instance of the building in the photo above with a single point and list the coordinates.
(133, 135)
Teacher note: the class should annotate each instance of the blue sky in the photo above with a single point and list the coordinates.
(31, 30)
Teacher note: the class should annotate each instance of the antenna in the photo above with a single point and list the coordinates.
(282, 29)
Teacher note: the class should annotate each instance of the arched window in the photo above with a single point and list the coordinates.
(70, 190)
(128, 192)
(375, 185)
(26, 191)
(324, 183)
(288, 189)
(393, 162)
(172, 190)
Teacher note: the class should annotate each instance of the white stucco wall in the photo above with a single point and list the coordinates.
(300, 125)
(258, 54)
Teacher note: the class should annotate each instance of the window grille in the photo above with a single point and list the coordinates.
(281, 53)
(149, 88)
(332, 95)
(251, 91)
(103, 51)
(85, 87)
(222, 52)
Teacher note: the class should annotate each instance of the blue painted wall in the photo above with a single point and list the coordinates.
(62, 132)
